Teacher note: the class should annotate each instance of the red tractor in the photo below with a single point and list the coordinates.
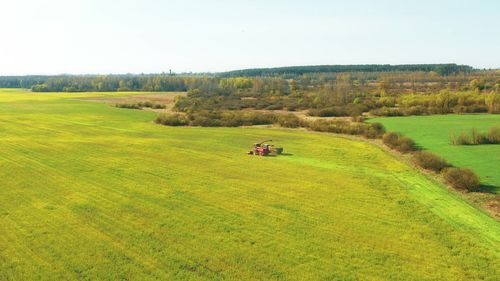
(264, 149)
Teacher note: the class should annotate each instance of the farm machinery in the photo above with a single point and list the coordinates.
(264, 149)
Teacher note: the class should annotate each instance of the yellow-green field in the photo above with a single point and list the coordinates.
(93, 192)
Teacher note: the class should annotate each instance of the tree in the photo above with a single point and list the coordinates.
(493, 102)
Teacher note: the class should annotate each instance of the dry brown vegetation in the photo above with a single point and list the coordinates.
(142, 101)
(474, 137)
(398, 142)
(430, 161)
(464, 179)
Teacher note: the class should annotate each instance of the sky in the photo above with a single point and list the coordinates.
(152, 36)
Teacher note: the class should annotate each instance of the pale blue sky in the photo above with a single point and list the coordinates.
(146, 36)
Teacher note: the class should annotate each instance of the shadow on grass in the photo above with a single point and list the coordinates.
(488, 188)
(419, 147)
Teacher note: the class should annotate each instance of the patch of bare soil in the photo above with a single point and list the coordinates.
(168, 99)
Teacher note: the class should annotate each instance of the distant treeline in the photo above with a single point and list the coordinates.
(442, 69)
(167, 82)
(25, 82)
(97, 83)
(108, 83)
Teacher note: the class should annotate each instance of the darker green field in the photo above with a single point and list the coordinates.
(94, 192)
(432, 133)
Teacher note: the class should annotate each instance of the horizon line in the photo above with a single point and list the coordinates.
(170, 71)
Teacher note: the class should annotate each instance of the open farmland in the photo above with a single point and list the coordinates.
(432, 133)
(90, 191)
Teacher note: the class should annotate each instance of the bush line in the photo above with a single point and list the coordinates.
(248, 118)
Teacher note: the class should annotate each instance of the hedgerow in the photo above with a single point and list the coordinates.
(249, 118)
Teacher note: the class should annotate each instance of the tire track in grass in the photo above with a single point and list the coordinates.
(47, 194)
(55, 172)
(66, 239)
(22, 252)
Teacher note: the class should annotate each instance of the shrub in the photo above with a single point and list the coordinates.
(357, 119)
(414, 110)
(373, 130)
(40, 88)
(464, 179)
(158, 106)
(386, 111)
(379, 127)
(391, 139)
(141, 104)
(145, 104)
(172, 119)
(398, 142)
(473, 137)
(406, 145)
(128, 105)
(288, 121)
(494, 135)
(430, 161)
(462, 139)
(336, 111)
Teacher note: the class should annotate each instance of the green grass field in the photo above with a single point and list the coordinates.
(93, 192)
(432, 133)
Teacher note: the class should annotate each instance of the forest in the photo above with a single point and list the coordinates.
(442, 69)
(325, 91)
